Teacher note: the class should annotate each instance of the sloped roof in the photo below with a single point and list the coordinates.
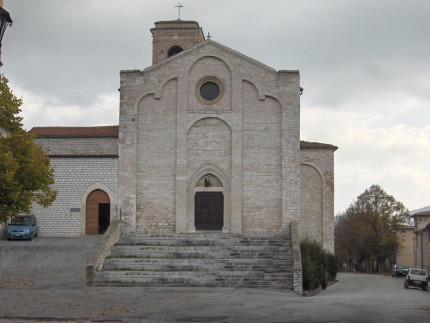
(207, 42)
(76, 132)
(112, 132)
(82, 155)
(316, 145)
(425, 211)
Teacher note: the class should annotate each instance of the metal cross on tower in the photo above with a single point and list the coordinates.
(179, 6)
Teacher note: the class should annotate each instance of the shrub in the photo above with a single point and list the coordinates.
(318, 265)
(332, 266)
(309, 280)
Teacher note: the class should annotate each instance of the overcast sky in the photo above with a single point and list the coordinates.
(364, 66)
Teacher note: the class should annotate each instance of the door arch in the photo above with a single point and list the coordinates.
(97, 212)
(208, 203)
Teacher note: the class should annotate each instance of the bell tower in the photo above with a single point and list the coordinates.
(173, 37)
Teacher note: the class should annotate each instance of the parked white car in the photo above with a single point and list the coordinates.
(417, 278)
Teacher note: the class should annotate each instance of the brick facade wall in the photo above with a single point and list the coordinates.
(74, 178)
(156, 162)
(311, 200)
(262, 153)
(317, 196)
(250, 136)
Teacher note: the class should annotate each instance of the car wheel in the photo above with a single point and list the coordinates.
(31, 237)
(406, 285)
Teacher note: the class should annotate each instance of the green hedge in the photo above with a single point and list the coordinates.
(319, 266)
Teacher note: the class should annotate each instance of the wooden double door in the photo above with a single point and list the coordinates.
(209, 210)
(97, 212)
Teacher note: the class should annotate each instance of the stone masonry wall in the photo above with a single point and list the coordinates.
(156, 162)
(317, 183)
(213, 67)
(311, 198)
(422, 253)
(209, 141)
(3, 231)
(262, 150)
(267, 121)
(73, 176)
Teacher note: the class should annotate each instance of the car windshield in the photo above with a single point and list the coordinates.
(402, 267)
(21, 220)
(418, 272)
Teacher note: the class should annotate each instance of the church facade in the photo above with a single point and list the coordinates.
(208, 140)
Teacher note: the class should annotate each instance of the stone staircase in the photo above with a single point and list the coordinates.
(202, 259)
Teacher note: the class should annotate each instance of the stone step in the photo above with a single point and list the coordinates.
(203, 240)
(184, 264)
(175, 278)
(205, 252)
(201, 259)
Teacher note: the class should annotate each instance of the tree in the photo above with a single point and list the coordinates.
(365, 232)
(25, 172)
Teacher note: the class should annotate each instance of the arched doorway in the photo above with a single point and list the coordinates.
(97, 212)
(209, 204)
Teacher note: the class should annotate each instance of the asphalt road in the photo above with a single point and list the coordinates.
(47, 285)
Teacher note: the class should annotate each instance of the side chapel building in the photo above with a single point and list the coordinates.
(208, 139)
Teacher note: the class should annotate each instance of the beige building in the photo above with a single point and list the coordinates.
(406, 236)
(208, 140)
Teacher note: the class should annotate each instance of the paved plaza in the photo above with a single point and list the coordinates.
(43, 280)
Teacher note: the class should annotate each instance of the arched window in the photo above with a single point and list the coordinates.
(174, 50)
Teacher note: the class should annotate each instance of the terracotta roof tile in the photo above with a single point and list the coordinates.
(74, 132)
(112, 131)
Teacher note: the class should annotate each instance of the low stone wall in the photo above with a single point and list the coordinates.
(102, 250)
(297, 259)
(3, 231)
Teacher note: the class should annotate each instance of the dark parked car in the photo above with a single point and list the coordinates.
(22, 227)
(400, 270)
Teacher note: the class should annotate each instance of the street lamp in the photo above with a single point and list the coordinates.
(5, 21)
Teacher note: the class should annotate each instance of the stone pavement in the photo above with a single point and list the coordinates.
(54, 292)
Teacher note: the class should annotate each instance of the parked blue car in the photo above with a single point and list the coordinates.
(22, 227)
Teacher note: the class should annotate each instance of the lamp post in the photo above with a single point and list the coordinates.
(5, 21)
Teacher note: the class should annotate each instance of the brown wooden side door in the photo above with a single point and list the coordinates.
(94, 199)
